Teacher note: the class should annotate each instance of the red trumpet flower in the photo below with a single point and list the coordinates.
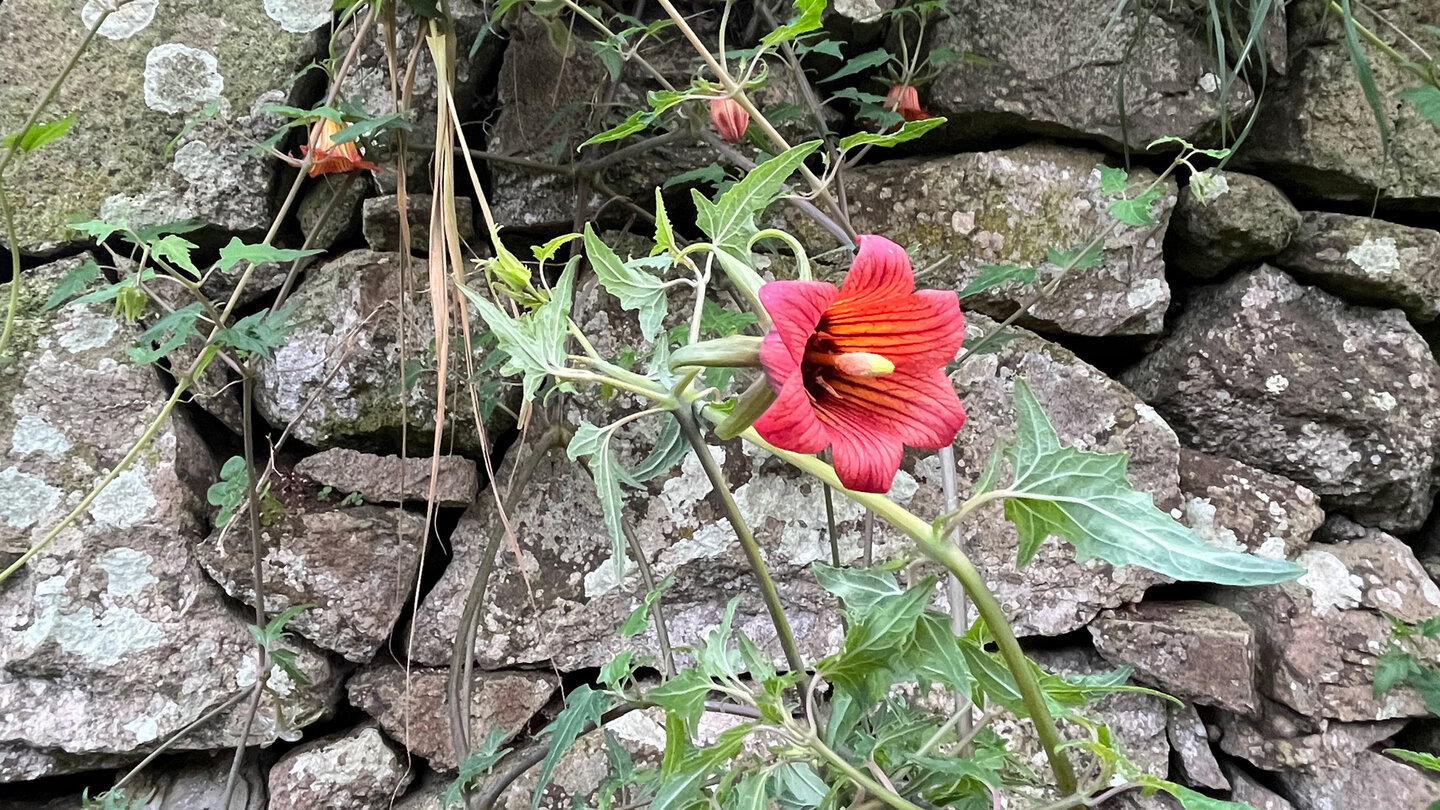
(332, 157)
(861, 368)
(729, 118)
(904, 99)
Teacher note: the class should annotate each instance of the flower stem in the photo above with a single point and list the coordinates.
(768, 591)
(955, 561)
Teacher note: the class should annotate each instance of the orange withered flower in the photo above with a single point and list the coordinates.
(331, 157)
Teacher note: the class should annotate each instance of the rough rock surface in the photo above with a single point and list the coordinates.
(353, 566)
(1192, 650)
(503, 701)
(1319, 636)
(115, 638)
(1368, 781)
(381, 221)
(550, 103)
(1053, 594)
(1317, 135)
(198, 783)
(956, 214)
(1245, 789)
(133, 94)
(1288, 378)
(357, 770)
(378, 479)
(1052, 68)
(1194, 763)
(1226, 219)
(345, 352)
(1237, 506)
(1278, 739)
(344, 216)
(1369, 261)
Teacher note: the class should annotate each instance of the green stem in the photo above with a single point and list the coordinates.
(955, 561)
(859, 777)
(768, 590)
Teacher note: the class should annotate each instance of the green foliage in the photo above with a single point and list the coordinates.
(257, 334)
(993, 275)
(165, 335)
(272, 635)
(1427, 761)
(534, 342)
(114, 799)
(1426, 99)
(607, 472)
(72, 283)
(634, 624)
(1360, 63)
(583, 706)
(1131, 211)
(237, 251)
(229, 493)
(637, 290)
(37, 135)
(730, 220)
(476, 764)
(1085, 498)
(908, 131)
(808, 14)
(1401, 665)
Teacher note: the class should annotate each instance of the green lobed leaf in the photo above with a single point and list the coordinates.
(875, 642)
(582, 706)
(1112, 179)
(730, 220)
(864, 61)
(1426, 99)
(637, 290)
(635, 623)
(1191, 800)
(684, 695)
(607, 473)
(535, 341)
(992, 677)
(37, 135)
(1085, 498)
(259, 333)
(1428, 761)
(238, 251)
(934, 653)
(908, 131)
(1136, 211)
(859, 588)
(716, 658)
(664, 234)
(72, 283)
(169, 332)
(476, 764)
(993, 275)
(1081, 261)
(175, 249)
(808, 16)
(677, 790)
(617, 670)
(547, 251)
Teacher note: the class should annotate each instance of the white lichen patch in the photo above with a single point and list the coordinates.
(127, 571)
(32, 434)
(1200, 517)
(181, 79)
(1276, 383)
(104, 640)
(27, 498)
(1330, 583)
(126, 502)
(1377, 257)
(144, 728)
(86, 331)
(124, 22)
(1148, 293)
(1209, 82)
(298, 16)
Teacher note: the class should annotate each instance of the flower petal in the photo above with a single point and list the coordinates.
(880, 268)
(790, 422)
(866, 461)
(795, 307)
(919, 409)
(919, 330)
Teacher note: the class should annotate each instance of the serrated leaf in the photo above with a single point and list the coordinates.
(637, 121)
(757, 663)
(97, 229)
(854, 65)
(582, 706)
(71, 283)
(615, 671)
(474, 765)
(635, 623)
(547, 251)
(934, 652)
(664, 234)
(908, 131)
(670, 446)
(1112, 180)
(993, 275)
(1191, 800)
(992, 678)
(37, 135)
(535, 341)
(1136, 211)
(169, 332)
(874, 643)
(637, 290)
(730, 220)
(259, 333)
(684, 695)
(679, 788)
(712, 174)
(1085, 498)
(1392, 667)
(237, 251)
(1426, 99)
(607, 473)
(1428, 761)
(716, 659)
(1082, 261)
(808, 16)
(176, 250)
(859, 588)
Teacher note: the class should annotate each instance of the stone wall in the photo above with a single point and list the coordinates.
(1263, 353)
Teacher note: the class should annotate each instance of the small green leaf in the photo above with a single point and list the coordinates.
(1426, 99)
(993, 275)
(535, 342)
(711, 174)
(664, 234)
(684, 695)
(1074, 259)
(259, 333)
(808, 17)
(934, 652)
(670, 446)
(237, 251)
(679, 789)
(874, 643)
(1112, 180)
(859, 588)
(582, 706)
(1392, 667)
(176, 250)
(594, 442)
(637, 290)
(1191, 800)
(367, 127)
(475, 765)
(908, 131)
(97, 229)
(864, 61)
(637, 121)
(730, 220)
(1085, 498)
(72, 283)
(1136, 211)
(618, 669)
(547, 251)
(1429, 761)
(37, 135)
(635, 623)
(170, 332)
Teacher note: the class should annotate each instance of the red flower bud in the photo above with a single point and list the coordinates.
(904, 99)
(729, 118)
